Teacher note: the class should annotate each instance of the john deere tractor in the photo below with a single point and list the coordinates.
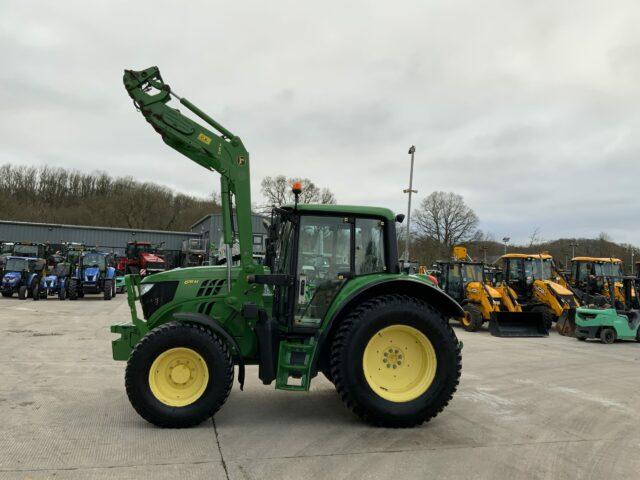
(539, 289)
(330, 298)
(465, 281)
(94, 273)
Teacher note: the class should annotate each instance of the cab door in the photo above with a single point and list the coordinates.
(324, 262)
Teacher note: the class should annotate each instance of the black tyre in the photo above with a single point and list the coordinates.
(114, 290)
(179, 351)
(7, 294)
(547, 315)
(472, 321)
(395, 361)
(35, 291)
(22, 292)
(73, 289)
(608, 335)
(62, 293)
(582, 339)
(108, 289)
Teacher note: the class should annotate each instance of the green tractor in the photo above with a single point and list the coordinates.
(330, 298)
(610, 324)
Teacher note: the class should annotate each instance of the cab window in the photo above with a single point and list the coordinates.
(369, 246)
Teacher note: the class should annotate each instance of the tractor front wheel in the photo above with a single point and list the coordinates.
(62, 293)
(108, 289)
(7, 294)
(22, 292)
(179, 375)
(472, 320)
(73, 289)
(608, 335)
(35, 291)
(395, 361)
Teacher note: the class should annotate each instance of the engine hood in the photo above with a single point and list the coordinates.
(11, 277)
(557, 288)
(91, 274)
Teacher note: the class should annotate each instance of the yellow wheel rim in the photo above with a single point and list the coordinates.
(178, 377)
(399, 363)
(466, 320)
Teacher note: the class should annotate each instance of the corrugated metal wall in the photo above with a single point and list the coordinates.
(114, 239)
(210, 228)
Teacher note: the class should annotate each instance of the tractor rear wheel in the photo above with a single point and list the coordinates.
(608, 335)
(35, 291)
(108, 289)
(395, 361)
(547, 315)
(179, 375)
(73, 289)
(22, 292)
(472, 320)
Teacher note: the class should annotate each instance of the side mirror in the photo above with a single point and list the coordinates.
(400, 217)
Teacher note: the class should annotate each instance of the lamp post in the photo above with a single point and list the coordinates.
(410, 190)
(573, 249)
(505, 240)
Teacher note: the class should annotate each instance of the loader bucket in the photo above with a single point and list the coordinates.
(566, 324)
(518, 324)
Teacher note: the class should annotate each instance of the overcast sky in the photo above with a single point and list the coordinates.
(529, 109)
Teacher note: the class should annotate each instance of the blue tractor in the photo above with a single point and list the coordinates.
(56, 283)
(22, 276)
(95, 273)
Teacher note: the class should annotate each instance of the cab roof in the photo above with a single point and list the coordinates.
(597, 259)
(536, 256)
(355, 210)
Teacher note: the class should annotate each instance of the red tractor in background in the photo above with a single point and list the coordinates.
(142, 258)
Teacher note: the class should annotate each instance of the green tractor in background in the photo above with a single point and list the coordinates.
(330, 298)
(610, 324)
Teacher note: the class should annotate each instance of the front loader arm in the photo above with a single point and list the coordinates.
(215, 149)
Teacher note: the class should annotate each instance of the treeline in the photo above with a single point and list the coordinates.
(58, 195)
(427, 251)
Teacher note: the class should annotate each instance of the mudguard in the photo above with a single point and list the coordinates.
(210, 323)
(111, 273)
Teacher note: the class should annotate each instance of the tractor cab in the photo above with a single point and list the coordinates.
(319, 249)
(591, 277)
(456, 275)
(21, 275)
(520, 271)
(32, 250)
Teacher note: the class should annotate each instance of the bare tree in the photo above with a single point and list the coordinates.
(535, 238)
(444, 217)
(277, 191)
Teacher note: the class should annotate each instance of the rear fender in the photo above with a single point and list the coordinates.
(111, 273)
(432, 295)
(209, 323)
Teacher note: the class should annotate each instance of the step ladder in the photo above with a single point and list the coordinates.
(294, 364)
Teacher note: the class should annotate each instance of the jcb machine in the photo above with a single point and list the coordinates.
(590, 276)
(465, 281)
(330, 299)
(536, 283)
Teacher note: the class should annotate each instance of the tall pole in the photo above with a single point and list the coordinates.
(409, 190)
(573, 249)
(505, 240)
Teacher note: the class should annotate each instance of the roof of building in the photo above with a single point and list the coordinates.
(91, 227)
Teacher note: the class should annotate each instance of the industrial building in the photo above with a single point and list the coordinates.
(175, 245)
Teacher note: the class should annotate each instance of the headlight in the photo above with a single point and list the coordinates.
(145, 287)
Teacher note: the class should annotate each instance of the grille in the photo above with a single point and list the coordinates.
(161, 293)
(210, 287)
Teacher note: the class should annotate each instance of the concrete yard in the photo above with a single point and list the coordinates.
(525, 408)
